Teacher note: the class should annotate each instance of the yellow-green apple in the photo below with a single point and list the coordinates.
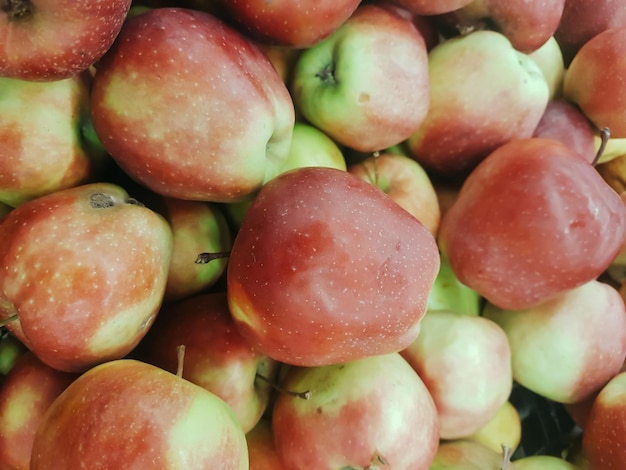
(593, 80)
(26, 394)
(129, 414)
(614, 172)
(327, 268)
(366, 85)
(565, 122)
(543, 462)
(197, 227)
(449, 294)
(430, 7)
(370, 413)
(309, 147)
(583, 19)
(555, 346)
(528, 24)
(405, 181)
(11, 349)
(217, 357)
(504, 429)
(465, 362)
(483, 94)
(82, 274)
(190, 107)
(283, 58)
(469, 455)
(603, 437)
(530, 222)
(291, 23)
(549, 58)
(261, 448)
(55, 39)
(41, 130)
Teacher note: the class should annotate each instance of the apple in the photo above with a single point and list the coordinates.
(47, 40)
(327, 268)
(217, 357)
(593, 80)
(26, 394)
(261, 448)
(129, 414)
(549, 58)
(465, 362)
(11, 349)
(82, 274)
(366, 85)
(405, 181)
(543, 462)
(583, 19)
(469, 455)
(555, 346)
(504, 429)
(603, 436)
(484, 93)
(614, 172)
(530, 222)
(565, 122)
(449, 294)
(528, 24)
(43, 147)
(207, 117)
(369, 413)
(290, 23)
(430, 7)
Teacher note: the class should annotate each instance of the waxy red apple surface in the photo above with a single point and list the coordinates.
(327, 268)
(55, 39)
(190, 107)
(532, 221)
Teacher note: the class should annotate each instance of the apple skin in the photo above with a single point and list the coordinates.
(505, 428)
(565, 122)
(543, 462)
(603, 436)
(291, 23)
(555, 346)
(583, 19)
(532, 221)
(483, 94)
(549, 58)
(430, 7)
(593, 80)
(528, 24)
(405, 181)
(43, 149)
(261, 448)
(97, 295)
(26, 394)
(465, 362)
(310, 237)
(342, 85)
(129, 414)
(381, 396)
(468, 455)
(187, 116)
(217, 357)
(47, 40)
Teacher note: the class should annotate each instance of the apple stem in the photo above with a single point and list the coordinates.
(304, 395)
(506, 457)
(180, 357)
(204, 258)
(7, 320)
(605, 135)
(17, 9)
(376, 155)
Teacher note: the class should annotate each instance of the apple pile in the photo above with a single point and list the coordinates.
(294, 235)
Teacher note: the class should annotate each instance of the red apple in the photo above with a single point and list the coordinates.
(190, 107)
(55, 39)
(82, 274)
(603, 436)
(366, 85)
(327, 268)
(217, 357)
(532, 221)
(430, 7)
(26, 394)
(128, 414)
(593, 80)
(291, 23)
(370, 413)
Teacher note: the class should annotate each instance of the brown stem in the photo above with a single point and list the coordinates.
(7, 320)
(506, 457)
(204, 258)
(304, 395)
(605, 135)
(180, 357)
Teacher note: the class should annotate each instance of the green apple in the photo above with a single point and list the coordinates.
(450, 294)
(543, 462)
(366, 85)
(549, 58)
(505, 428)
